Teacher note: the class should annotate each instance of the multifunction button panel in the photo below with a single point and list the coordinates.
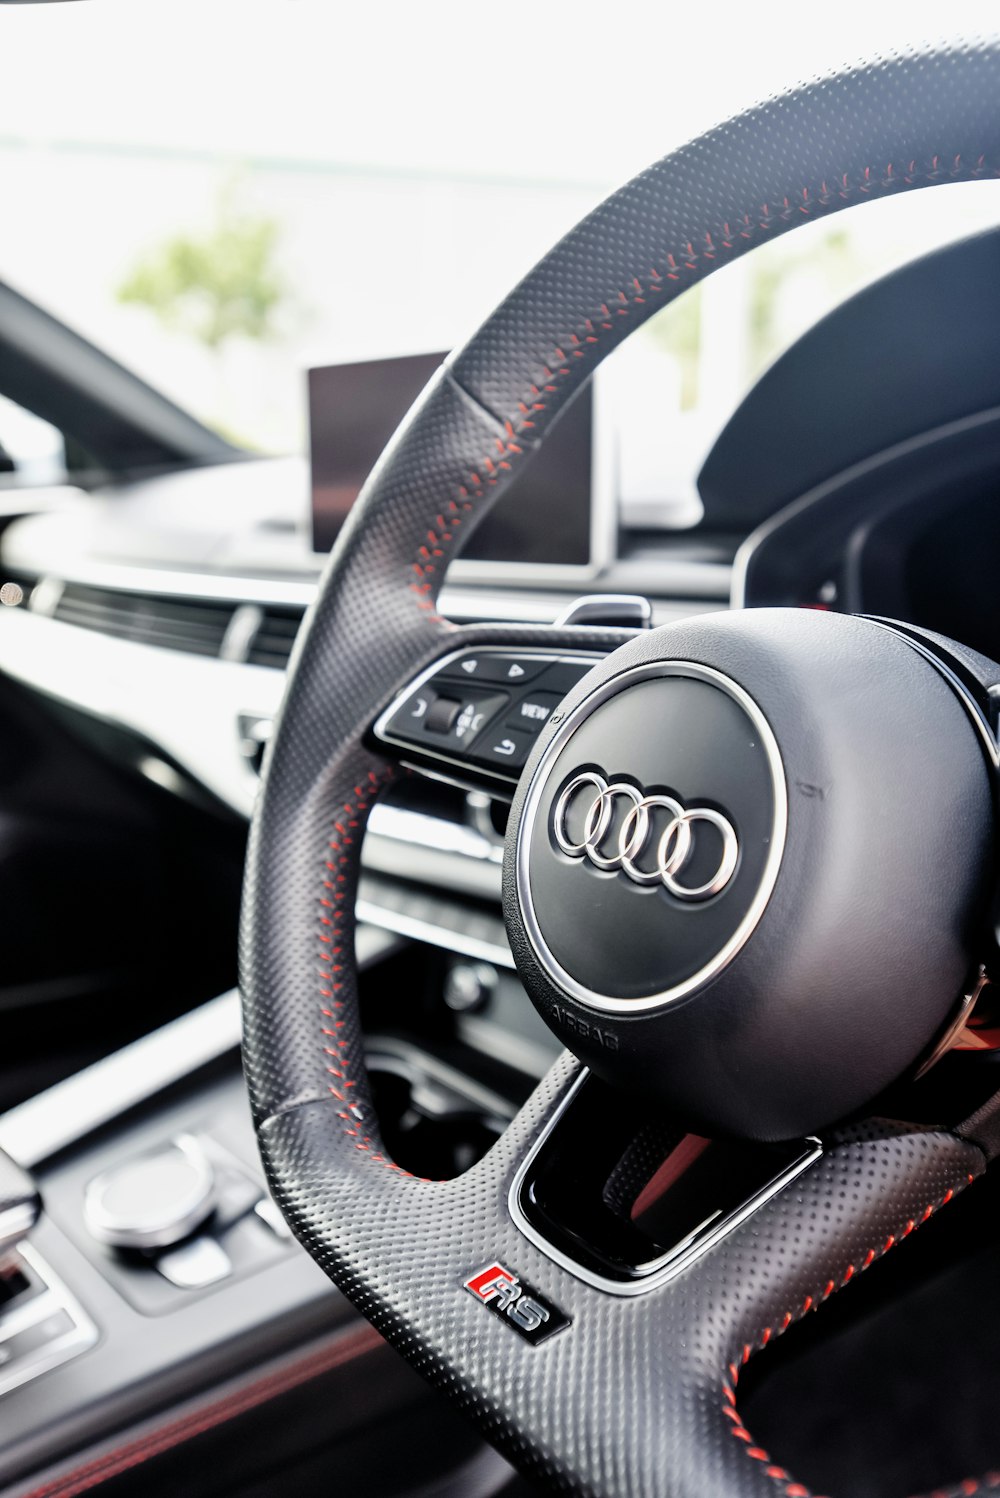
(482, 710)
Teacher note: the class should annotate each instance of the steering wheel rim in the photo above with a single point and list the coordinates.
(660, 1377)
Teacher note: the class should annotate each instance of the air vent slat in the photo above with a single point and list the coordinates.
(138, 624)
(128, 607)
(272, 644)
(189, 625)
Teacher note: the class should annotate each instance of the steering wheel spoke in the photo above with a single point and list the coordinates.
(637, 1394)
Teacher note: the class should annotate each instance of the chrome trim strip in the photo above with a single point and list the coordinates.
(464, 873)
(81, 1336)
(418, 828)
(16, 1222)
(607, 1003)
(683, 1254)
(469, 601)
(20, 1313)
(498, 792)
(683, 587)
(768, 528)
(36, 1129)
(189, 706)
(434, 935)
(41, 1126)
(215, 587)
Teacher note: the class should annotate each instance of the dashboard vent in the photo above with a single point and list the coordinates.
(195, 626)
(274, 638)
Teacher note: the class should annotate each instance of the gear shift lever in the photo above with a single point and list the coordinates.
(20, 1205)
(41, 1323)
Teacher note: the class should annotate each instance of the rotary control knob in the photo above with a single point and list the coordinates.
(153, 1200)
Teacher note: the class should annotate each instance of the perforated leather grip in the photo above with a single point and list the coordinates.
(630, 1398)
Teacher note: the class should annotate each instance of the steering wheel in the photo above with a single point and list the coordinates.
(748, 867)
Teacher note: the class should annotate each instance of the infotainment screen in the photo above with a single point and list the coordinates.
(546, 517)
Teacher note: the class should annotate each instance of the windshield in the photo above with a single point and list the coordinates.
(225, 195)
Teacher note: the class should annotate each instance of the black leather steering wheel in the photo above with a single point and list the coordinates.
(639, 1395)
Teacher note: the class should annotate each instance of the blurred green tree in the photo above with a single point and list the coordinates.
(217, 286)
(822, 274)
(677, 332)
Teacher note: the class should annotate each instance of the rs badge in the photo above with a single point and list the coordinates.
(517, 1304)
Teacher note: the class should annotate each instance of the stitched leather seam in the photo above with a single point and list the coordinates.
(334, 906)
(134, 1453)
(789, 1487)
(969, 1487)
(688, 265)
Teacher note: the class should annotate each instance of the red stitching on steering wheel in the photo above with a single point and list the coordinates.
(688, 265)
(969, 1487)
(336, 884)
(790, 1487)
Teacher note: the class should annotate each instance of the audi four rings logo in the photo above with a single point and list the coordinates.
(671, 848)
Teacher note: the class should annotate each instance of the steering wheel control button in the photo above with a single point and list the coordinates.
(505, 747)
(153, 1200)
(650, 837)
(410, 719)
(532, 711)
(512, 670)
(441, 715)
(448, 721)
(456, 710)
(474, 713)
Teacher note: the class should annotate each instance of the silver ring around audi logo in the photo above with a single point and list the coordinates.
(673, 848)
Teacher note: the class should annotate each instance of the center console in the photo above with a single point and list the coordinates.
(160, 1290)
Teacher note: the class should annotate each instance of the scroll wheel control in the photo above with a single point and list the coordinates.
(154, 1199)
(442, 714)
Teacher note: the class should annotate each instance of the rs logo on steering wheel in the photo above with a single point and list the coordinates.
(501, 1291)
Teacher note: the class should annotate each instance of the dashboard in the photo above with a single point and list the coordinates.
(861, 473)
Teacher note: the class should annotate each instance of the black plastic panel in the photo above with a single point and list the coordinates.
(905, 355)
(480, 711)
